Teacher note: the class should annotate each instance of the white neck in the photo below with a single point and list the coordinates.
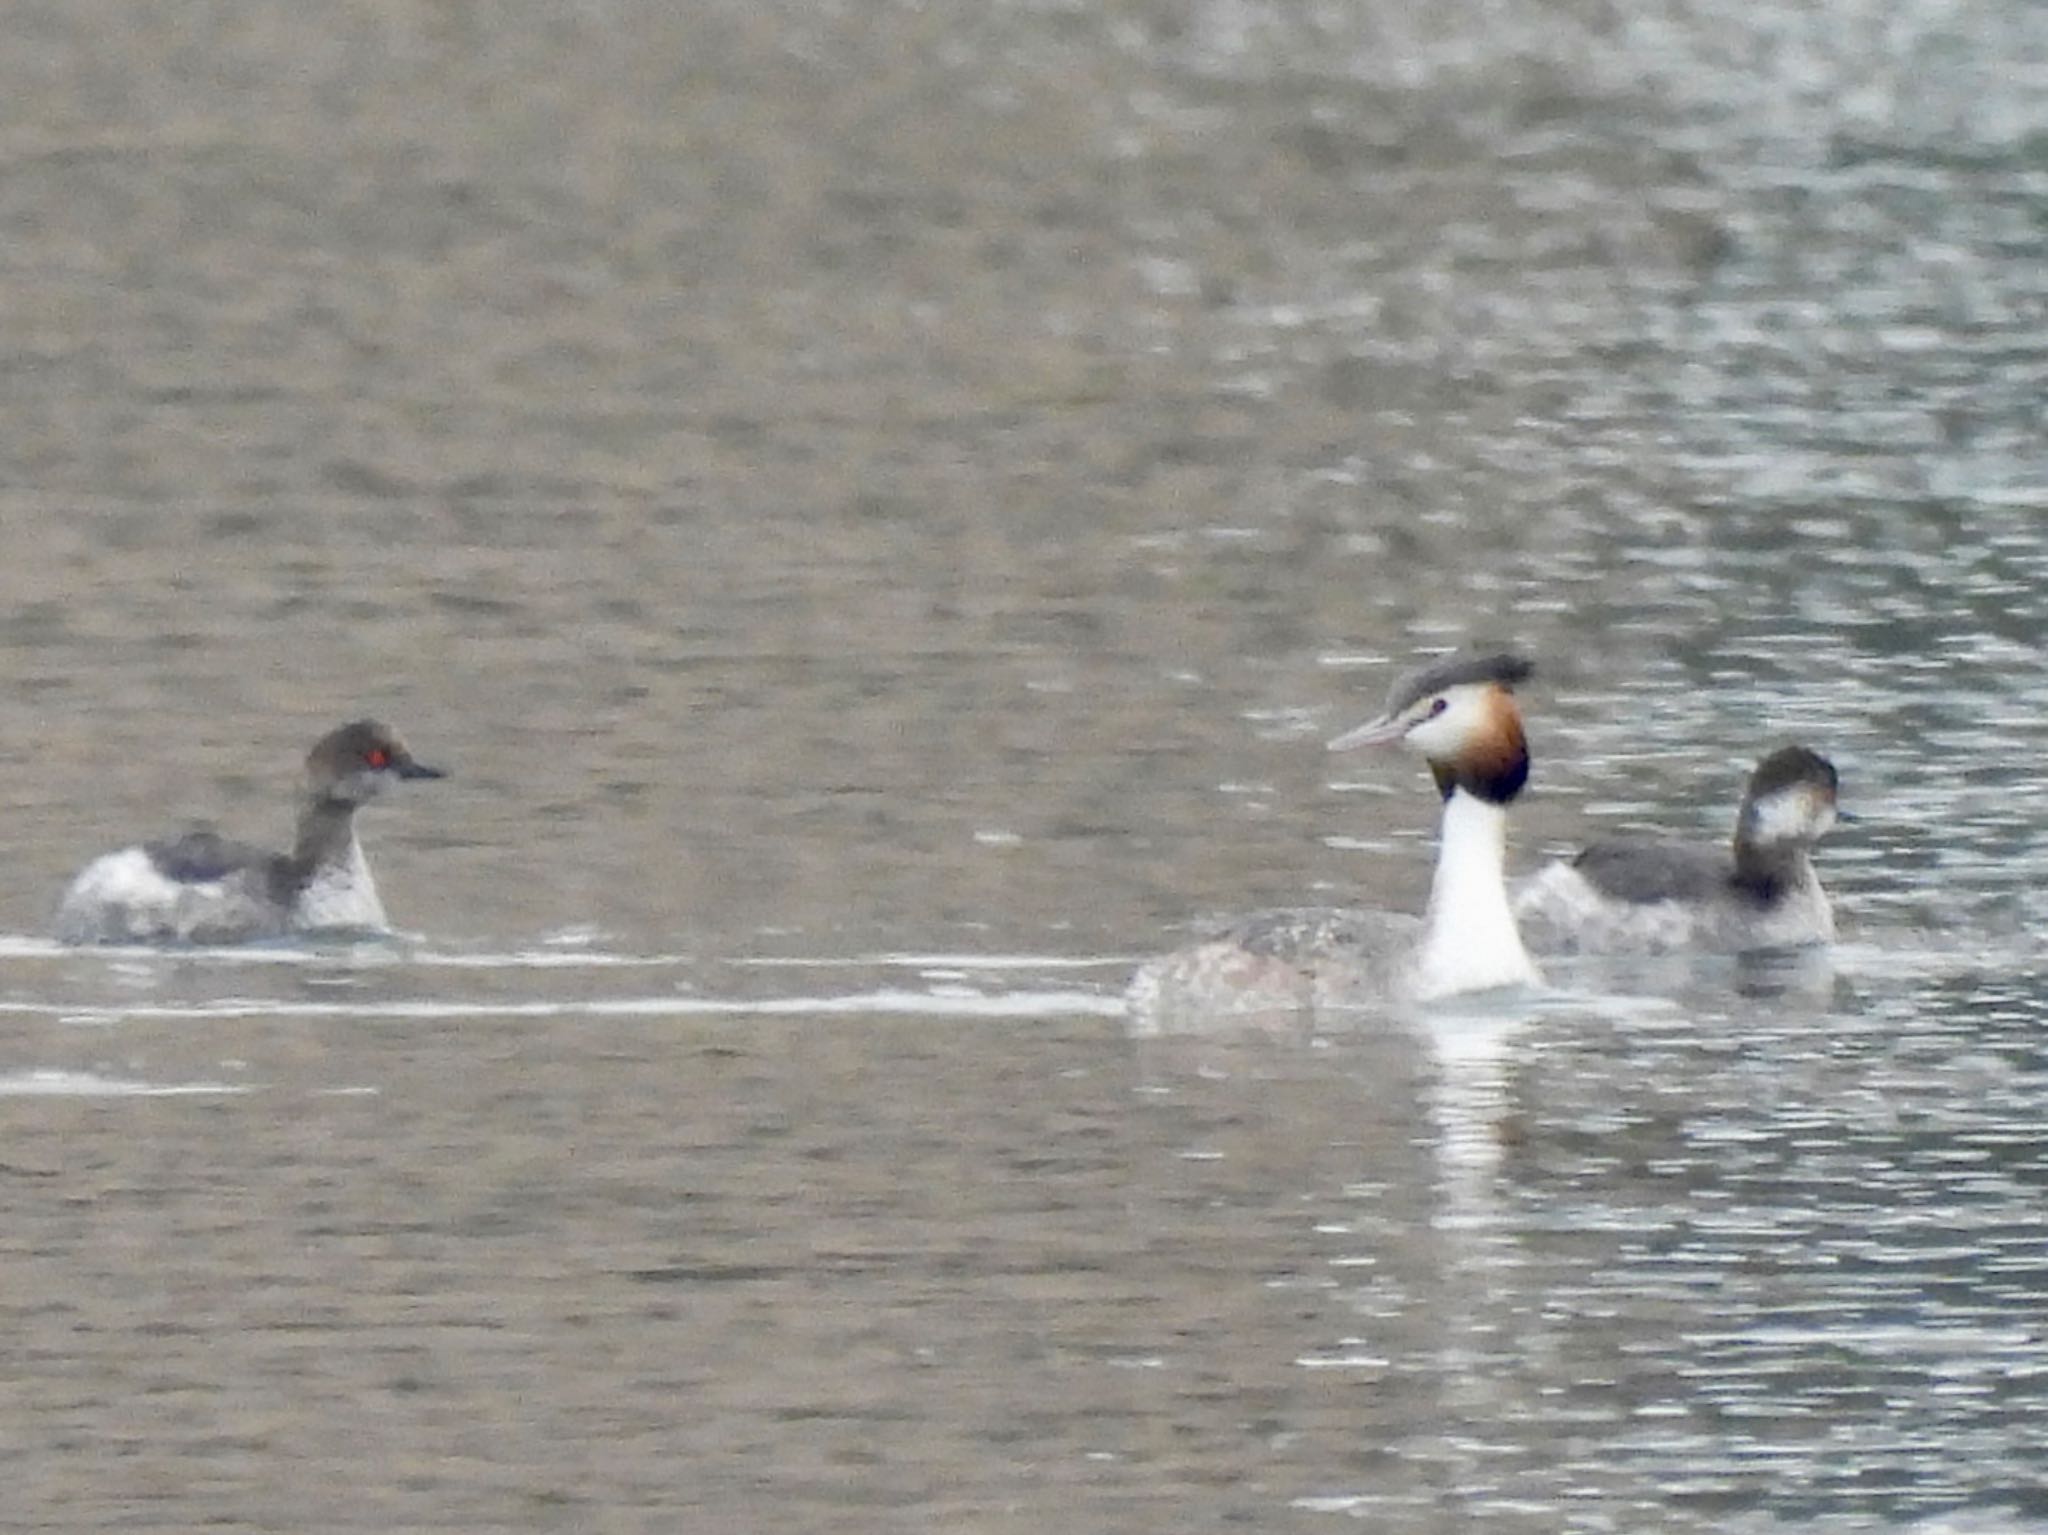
(341, 894)
(1471, 943)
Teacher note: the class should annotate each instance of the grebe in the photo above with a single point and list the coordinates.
(202, 888)
(1650, 896)
(1460, 715)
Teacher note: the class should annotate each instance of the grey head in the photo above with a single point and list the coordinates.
(1460, 714)
(1790, 801)
(354, 763)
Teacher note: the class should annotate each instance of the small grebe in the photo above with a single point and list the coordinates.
(1460, 714)
(203, 888)
(1649, 896)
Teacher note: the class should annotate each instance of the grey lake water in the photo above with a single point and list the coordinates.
(877, 507)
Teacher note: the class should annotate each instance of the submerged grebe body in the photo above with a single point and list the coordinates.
(1649, 896)
(1461, 716)
(202, 888)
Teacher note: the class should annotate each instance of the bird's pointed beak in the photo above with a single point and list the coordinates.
(411, 769)
(1388, 727)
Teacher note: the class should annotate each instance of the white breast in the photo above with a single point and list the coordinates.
(340, 895)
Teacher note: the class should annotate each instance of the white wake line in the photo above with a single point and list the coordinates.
(86, 1084)
(394, 953)
(886, 960)
(542, 959)
(944, 1004)
(900, 961)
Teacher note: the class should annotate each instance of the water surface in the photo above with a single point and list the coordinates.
(878, 508)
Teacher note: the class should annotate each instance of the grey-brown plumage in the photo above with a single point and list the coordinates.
(1639, 871)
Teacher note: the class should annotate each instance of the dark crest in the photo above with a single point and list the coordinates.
(1789, 767)
(351, 743)
(1503, 667)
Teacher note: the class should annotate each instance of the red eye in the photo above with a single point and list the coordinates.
(377, 757)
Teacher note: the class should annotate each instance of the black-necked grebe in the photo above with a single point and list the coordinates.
(1648, 896)
(202, 888)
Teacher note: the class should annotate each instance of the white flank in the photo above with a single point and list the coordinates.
(122, 895)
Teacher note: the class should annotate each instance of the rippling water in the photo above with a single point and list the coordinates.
(878, 506)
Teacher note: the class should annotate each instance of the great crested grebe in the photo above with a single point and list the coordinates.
(1460, 715)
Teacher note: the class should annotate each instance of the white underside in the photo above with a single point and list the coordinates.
(123, 897)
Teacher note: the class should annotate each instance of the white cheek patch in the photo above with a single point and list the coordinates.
(1790, 815)
(1465, 716)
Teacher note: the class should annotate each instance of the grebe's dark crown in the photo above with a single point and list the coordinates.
(1503, 667)
(1789, 767)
